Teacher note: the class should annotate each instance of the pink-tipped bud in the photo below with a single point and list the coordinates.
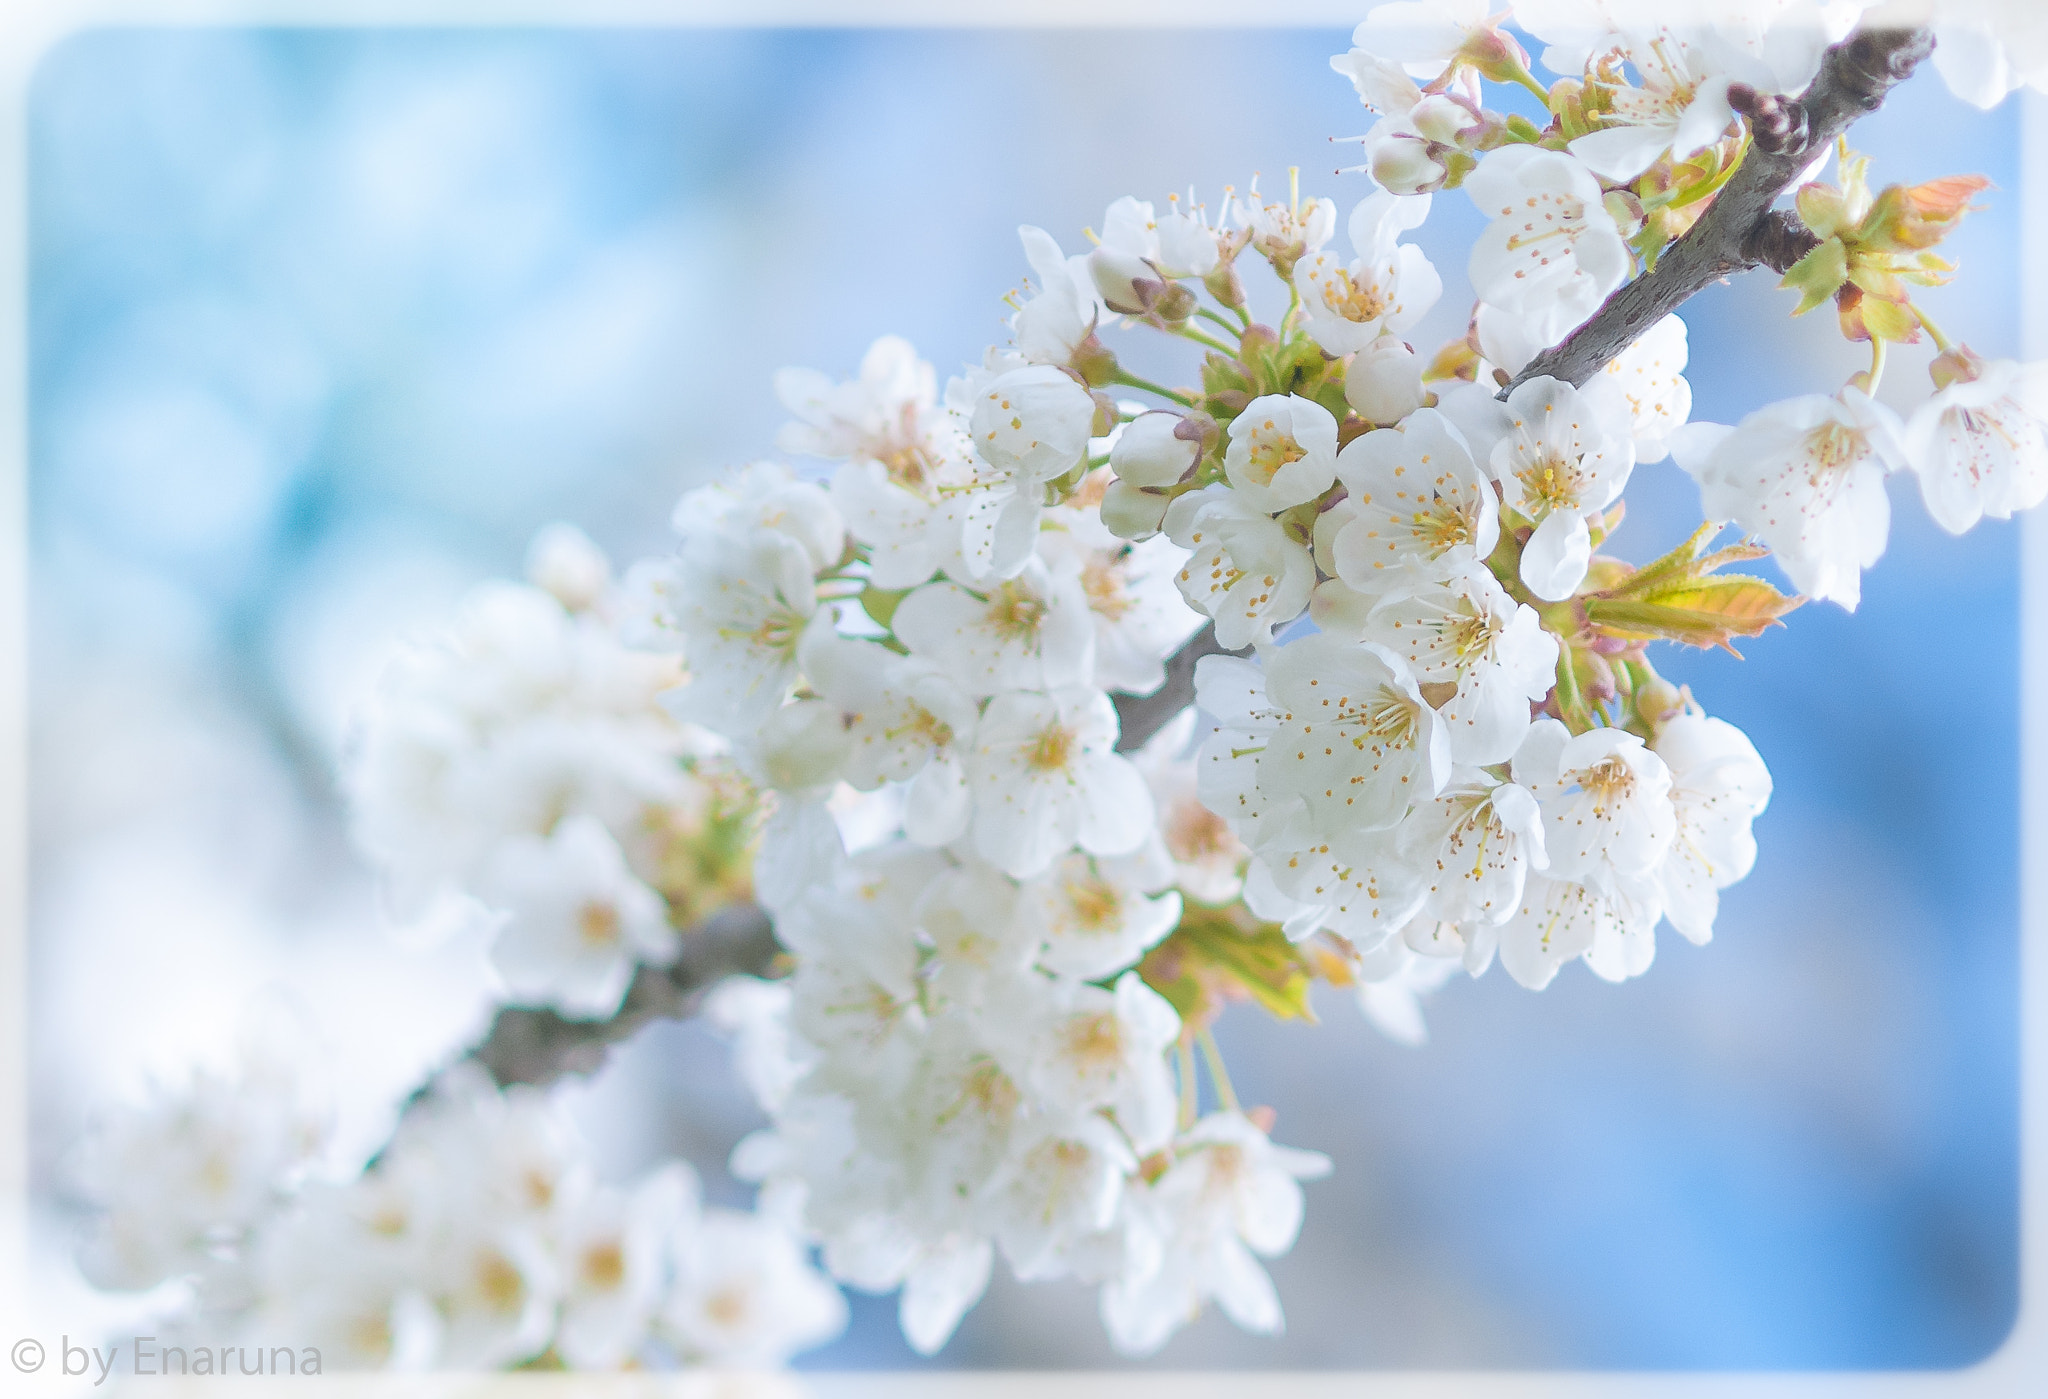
(1151, 451)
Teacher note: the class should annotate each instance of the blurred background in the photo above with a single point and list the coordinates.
(325, 324)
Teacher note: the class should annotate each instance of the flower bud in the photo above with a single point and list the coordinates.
(1956, 366)
(1094, 361)
(1225, 285)
(1117, 275)
(1445, 120)
(1150, 451)
(1129, 512)
(1405, 165)
(1496, 56)
(1659, 700)
(1384, 383)
(1135, 287)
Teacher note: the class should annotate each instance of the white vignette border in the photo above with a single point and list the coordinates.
(30, 28)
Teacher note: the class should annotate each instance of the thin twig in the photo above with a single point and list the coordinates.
(1739, 230)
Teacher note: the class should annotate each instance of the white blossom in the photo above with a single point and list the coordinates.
(1563, 457)
(1806, 476)
(1477, 840)
(1032, 424)
(1228, 1194)
(1718, 786)
(1045, 778)
(1606, 803)
(1030, 632)
(1246, 571)
(1469, 632)
(1614, 930)
(743, 1295)
(1414, 497)
(1680, 107)
(1651, 376)
(577, 921)
(1095, 918)
(1139, 617)
(1979, 445)
(1551, 252)
(1387, 288)
(1282, 452)
(907, 721)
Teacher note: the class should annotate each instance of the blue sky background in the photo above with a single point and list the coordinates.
(324, 324)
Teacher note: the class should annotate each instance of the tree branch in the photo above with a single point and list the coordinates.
(1739, 230)
(1145, 715)
(530, 1045)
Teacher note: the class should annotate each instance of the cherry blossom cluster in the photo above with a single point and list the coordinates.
(916, 658)
(1643, 130)
(520, 761)
(479, 1238)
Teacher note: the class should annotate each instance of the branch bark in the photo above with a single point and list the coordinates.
(1739, 230)
(1145, 715)
(530, 1045)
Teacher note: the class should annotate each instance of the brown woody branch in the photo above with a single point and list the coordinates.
(1740, 230)
(526, 1044)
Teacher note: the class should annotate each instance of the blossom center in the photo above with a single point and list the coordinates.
(499, 1283)
(921, 724)
(597, 925)
(1441, 525)
(1270, 451)
(1354, 299)
(1105, 591)
(1834, 447)
(1095, 905)
(1051, 750)
(1608, 780)
(1552, 482)
(1015, 613)
(604, 1267)
(1095, 1040)
(1388, 718)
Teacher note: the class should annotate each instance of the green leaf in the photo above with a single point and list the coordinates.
(1821, 209)
(1218, 954)
(1818, 275)
(881, 603)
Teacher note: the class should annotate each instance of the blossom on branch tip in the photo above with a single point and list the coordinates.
(1806, 476)
(1980, 445)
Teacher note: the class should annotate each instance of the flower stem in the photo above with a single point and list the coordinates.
(1941, 342)
(1186, 1063)
(1218, 1075)
(1200, 338)
(1206, 314)
(1132, 381)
